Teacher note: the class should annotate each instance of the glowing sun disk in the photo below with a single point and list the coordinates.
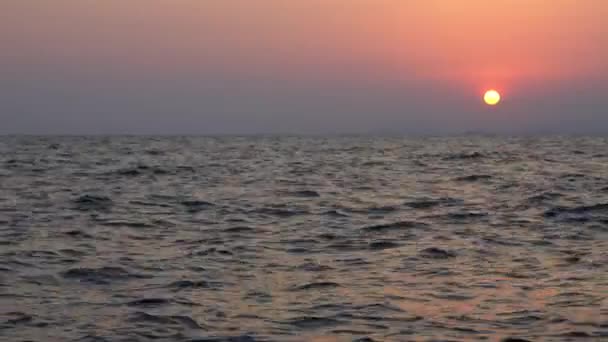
(491, 97)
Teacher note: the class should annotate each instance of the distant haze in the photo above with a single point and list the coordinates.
(302, 66)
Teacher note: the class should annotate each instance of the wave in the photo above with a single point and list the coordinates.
(426, 203)
(306, 194)
(464, 156)
(194, 206)
(185, 321)
(316, 286)
(437, 253)
(402, 225)
(381, 245)
(584, 213)
(473, 178)
(102, 275)
(92, 202)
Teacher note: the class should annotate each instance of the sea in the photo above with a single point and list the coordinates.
(287, 238)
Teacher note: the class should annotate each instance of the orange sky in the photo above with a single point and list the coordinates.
(437, 38)
(467, 45)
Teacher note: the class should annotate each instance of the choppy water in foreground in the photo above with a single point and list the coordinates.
(295, 239)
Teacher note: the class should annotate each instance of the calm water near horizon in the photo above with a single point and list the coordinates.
(303, 239)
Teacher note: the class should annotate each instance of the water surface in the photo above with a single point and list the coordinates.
(293, 239)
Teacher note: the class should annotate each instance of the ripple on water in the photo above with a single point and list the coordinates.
(473, 178)
(465, 216)
(402, 225)
(437, 253)
(584, 213)
(313, 323)
(363, 339)
(464, 156)
(314, 267)
(175, 320)
(92, 203)
(380, 245)
(280, 212)
(78, 234)
(241, 338)
(11, 319)
(149, 302)
(189, 284)
(194, 206)
(306, 194)
(316, 286)
(429, 203)
(240, 229)
(102, 275)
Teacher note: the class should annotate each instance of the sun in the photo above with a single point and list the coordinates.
(491, 97)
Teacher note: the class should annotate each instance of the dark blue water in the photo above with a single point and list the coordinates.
(303, 239)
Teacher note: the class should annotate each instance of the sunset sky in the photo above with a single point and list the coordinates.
(302, 66)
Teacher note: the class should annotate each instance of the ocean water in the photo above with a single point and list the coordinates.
(303, 239)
